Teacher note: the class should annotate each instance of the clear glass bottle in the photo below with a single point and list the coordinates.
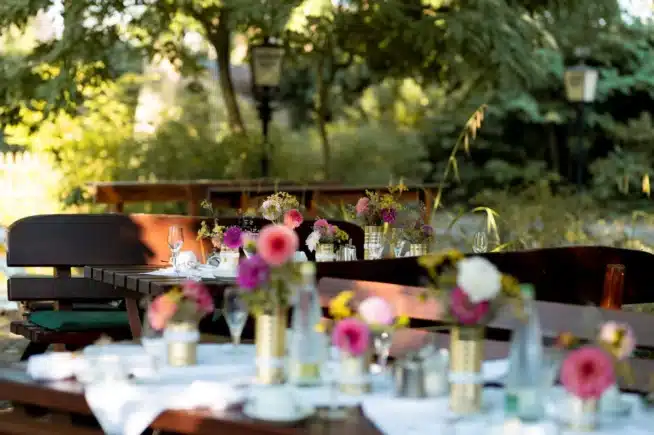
(524, 392)
(307, 343)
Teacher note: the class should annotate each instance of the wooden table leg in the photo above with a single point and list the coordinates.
(133, 317)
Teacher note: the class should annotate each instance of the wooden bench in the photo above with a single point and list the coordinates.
(570, 275)
(64, 242)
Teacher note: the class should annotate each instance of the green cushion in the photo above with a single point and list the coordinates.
(64, 321)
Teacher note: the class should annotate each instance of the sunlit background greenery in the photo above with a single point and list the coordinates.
(372, 91)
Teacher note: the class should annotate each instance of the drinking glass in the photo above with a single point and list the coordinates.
(376, 251)
(175, 242)
(382, 341)
(236, 314)
(480, 242)
(152, 340)
(329, 372)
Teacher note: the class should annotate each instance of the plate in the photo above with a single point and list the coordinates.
(303, 414)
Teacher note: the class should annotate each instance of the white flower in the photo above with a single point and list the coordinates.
(313, 240)
(479, 279)
(271, 210)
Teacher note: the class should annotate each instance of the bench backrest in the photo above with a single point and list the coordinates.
(73, 240)
(570, 275)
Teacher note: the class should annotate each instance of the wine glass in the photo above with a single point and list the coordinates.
(480, 242)
(382, 341)
(236, 314)
(175, 242)
(329, 372)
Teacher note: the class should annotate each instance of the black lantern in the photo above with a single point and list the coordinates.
(580, 89)
(266, 62)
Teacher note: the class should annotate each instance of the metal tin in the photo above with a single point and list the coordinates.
(418, 249)
(466, 356)
(270, 343)
(325, 252)
(373, 236)
(182, 343)
(410, 377)
(355, 370)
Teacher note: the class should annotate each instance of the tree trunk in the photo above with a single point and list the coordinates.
(321, 112)
(220, 40)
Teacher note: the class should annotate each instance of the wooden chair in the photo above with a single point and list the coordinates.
(570, 275)
(66, 241)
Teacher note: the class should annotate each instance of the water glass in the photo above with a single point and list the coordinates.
(152, 340)
(480, 242)
(329, 372)
(382, 341)
(175, 243)
(235, 311)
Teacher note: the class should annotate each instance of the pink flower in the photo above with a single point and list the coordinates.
(619, 337)
(466, 312)
(587, 372)
(351, 336)
(161, 310)
(252, 273)
(321, 225)
(376, 311)
(233, 238)
(388, 215)
(362, 205)
(198, 293)
(277, 244)
(331, 229)
(216, 241)
(293, 219)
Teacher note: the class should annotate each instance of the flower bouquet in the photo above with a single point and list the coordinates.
(275, 207)
(265, 280)
(351, 336)
(178, 313)
(419, 236)
(469, 292)
(377, 313)
(374, 211)
(586, 373)
(325, 239)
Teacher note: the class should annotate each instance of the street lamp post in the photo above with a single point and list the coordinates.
(580, 89)
(266, 63)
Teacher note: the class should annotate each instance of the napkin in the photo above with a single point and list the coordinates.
(52, 366)
(122, 408)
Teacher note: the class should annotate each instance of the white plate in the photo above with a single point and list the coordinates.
(302, 414)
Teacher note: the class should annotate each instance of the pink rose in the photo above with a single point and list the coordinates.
(465, 311)
(362, 205)
(198, 293)
(587, 372)
(376, 311)
(351, 336)
(277, 244)
(161, 310)
(293, 219)
(320, 224)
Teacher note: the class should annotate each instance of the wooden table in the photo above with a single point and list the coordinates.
(67, 397)
(311, 196)
(193, 192)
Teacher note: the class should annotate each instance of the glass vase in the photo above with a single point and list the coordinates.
(372, 241)
(354, 374)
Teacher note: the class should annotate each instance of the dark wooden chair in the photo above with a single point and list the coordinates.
(64, 242)
(570, 275)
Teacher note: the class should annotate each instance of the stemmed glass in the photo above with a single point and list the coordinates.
(175, 243)
(382, 341)
(329, 372)
(480, 242)
(235, 311)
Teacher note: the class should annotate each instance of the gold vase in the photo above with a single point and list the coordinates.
(583, 414)
(182, 343)
(372, 237)
(270, 343)
(466, 356)
(417, 249)
(325, 252)
(354, 374)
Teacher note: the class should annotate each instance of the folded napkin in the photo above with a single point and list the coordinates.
(202, 271)
(127, 409)
(52, 366)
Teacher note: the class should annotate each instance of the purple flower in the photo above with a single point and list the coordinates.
(252, 273)
(388, 215)
(427, 230)
(232, 238)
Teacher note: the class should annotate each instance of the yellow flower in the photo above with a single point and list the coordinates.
(453, 255)
(510, 286)
(339, 307)
(402, 322)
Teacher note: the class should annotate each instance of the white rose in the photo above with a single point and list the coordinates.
(271, 210)
(313, 240)
(479, 279)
